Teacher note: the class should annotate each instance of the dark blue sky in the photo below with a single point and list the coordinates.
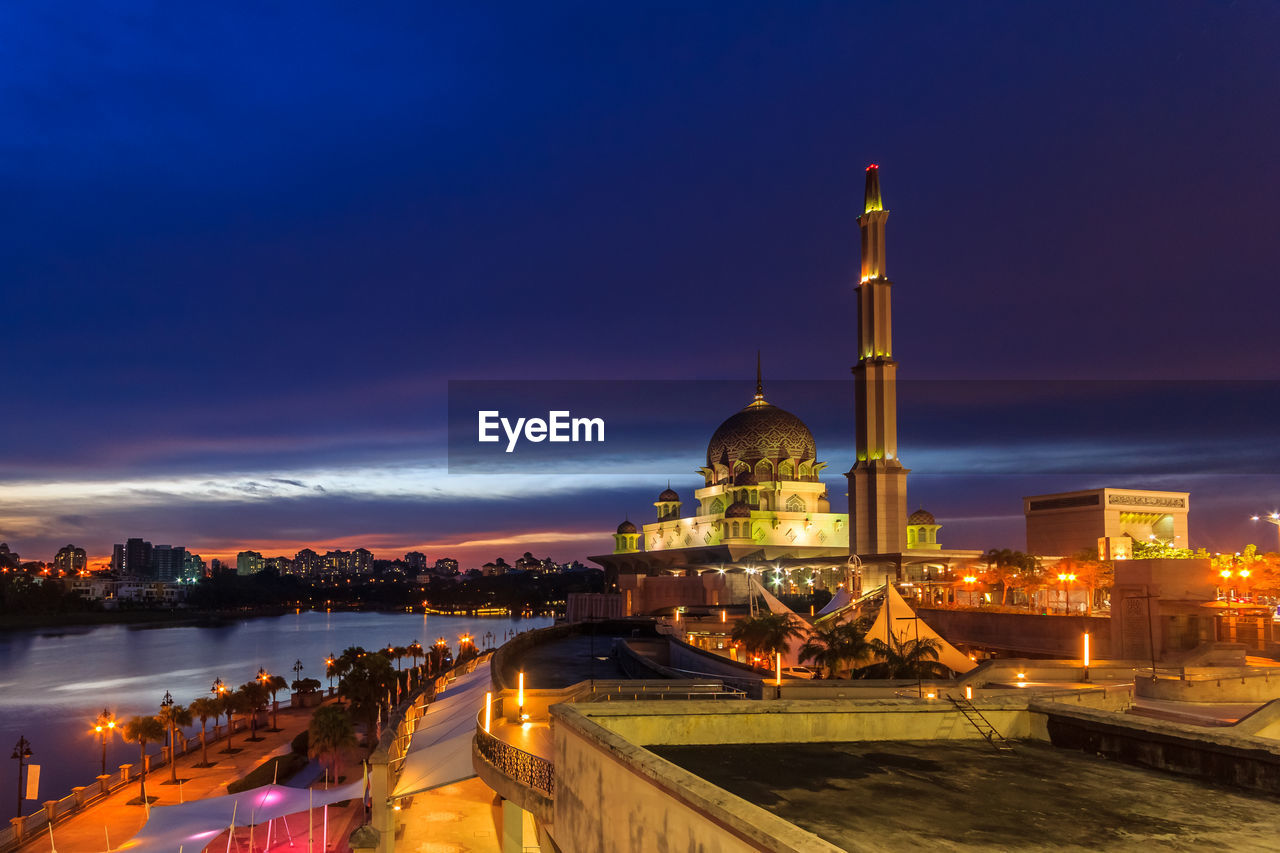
(244, 249)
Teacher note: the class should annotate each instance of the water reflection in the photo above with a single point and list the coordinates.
(53, 683)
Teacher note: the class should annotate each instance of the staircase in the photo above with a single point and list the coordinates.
(979, 722)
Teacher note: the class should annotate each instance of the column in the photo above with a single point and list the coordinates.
(512, 827)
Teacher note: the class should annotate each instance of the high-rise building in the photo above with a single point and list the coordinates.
(362, 561)
(248, 563)
(307, 562)
(117, 559)
(8, 559)
(167, 562)
(137, 559)
(336, 562)
(877, 481)
(415, 562)
(70, 560)
(281, 565)
(446, 566)
(192, 567)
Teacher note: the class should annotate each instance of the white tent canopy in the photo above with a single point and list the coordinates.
(791, 657)
(440, 749)
(905, 624)
(841, 599)
(193, 825)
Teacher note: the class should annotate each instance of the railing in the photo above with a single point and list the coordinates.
(529, 770)
(57, 810)
(714, 690)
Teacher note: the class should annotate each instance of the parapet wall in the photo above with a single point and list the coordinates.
(1209, 754)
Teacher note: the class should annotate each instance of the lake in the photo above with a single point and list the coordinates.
(55, 681)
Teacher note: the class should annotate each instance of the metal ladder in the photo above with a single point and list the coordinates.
(979, 722)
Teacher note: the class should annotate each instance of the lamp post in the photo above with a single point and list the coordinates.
(328, 663)
(217, 688)
(1066, 591)
(104, 725)
(1225, 574)
(968, 587)
(297, 670)
(21, 752)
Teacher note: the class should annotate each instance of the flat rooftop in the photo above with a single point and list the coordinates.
(961, 796)
(565, 661)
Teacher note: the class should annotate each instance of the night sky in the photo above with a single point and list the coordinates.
(246, 247)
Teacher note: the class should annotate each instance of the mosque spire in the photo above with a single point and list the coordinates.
(871, 200)
(872, 224)
(759, 378)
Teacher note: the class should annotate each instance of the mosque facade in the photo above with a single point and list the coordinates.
(762, 505)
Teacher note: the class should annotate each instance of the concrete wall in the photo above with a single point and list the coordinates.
(613, 796)
(1022, 633)
(1245, 762)
(1256, 686)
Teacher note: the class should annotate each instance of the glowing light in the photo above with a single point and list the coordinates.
(778, 665)
(968, 692)
(520, 690)
(873, 166)
(1086, 649)
(488, 707)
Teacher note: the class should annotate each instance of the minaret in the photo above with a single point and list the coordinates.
(877, 481)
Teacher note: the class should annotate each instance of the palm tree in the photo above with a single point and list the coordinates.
(329, 733)
(835, 647)
(415, 652)
(233, 703)
(255, 695)
(202, 709)
(275, 684)
(143, 730)
(365, 686)
(174, 717)
(907, 659)
(770, 633)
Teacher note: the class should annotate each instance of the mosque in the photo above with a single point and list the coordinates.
(763, 509)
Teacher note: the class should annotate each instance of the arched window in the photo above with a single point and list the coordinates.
(764, 471)
(787, 471)
(735, 528)
(795, 504)
(806, 470)
(717, 506)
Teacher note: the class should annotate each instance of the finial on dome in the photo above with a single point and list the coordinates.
(759, 378)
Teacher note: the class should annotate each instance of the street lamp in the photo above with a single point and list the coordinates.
(968, 586)
(217, 688)
(21, 752)
(1066, 591)
(104, 725)
(328, 663)
(297, 670)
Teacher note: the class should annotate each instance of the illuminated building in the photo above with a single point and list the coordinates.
(69, 560)
(1110, 520)
(763, 506)
(248, 563)
(877, 481)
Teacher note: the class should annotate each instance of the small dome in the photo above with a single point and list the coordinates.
(626, 527)
(738, 509)
(745, 478)
(668, 495)
(921, 516)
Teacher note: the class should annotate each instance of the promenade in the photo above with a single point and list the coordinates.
(114, 818)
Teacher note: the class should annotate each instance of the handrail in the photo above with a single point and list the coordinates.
(529, 770)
